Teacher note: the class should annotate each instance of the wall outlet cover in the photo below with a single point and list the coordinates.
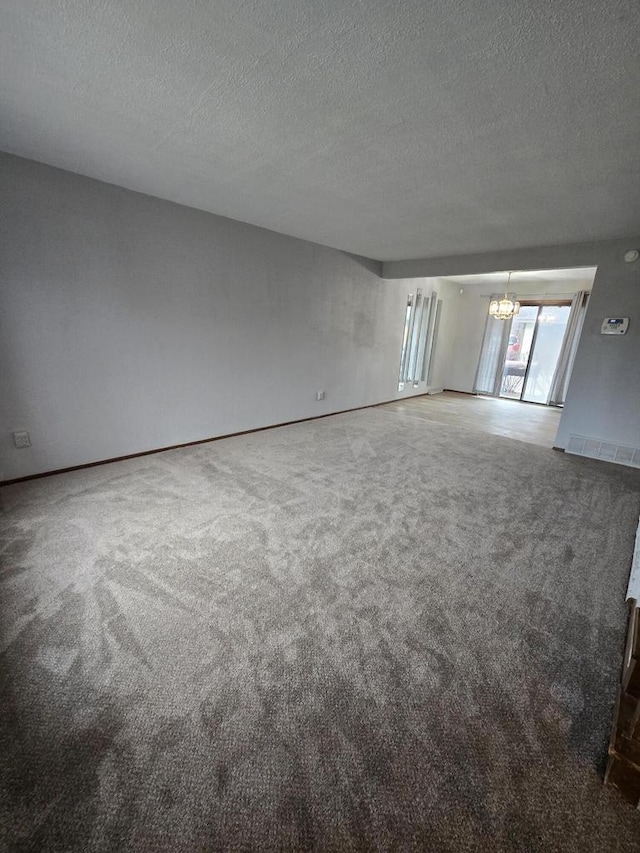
(21, 439)
(320, 395)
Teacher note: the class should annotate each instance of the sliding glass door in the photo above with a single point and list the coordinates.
(529, 357)
(543, 360)
(536, 335)
(522, 334)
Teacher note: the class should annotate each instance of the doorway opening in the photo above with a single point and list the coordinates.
(529, 357)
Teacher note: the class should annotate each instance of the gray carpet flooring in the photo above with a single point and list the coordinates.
(363, 633)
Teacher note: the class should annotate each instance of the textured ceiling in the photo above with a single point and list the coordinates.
(388, 129)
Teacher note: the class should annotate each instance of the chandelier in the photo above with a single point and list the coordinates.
(504, 306)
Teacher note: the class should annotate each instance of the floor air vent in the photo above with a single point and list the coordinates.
(596, 449)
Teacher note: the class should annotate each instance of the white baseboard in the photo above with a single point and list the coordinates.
(435, 390)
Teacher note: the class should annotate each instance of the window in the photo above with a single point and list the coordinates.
(418, 338)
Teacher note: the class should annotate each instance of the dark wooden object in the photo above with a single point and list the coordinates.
(623, 768)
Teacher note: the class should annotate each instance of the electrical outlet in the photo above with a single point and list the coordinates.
(319, 395)
(21, 439)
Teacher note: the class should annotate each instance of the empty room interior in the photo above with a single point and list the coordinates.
(319, 426)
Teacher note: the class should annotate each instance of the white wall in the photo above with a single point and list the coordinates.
(444, 349)
(470, 310)
(603, 400)
(130, 323)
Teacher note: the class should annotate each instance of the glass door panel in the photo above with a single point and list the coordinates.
(521, 336)
(551, 327)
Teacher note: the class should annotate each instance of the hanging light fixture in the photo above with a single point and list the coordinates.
(504, 306)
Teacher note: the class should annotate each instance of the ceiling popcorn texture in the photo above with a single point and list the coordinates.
(390, 130)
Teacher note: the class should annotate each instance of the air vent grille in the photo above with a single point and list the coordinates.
(623, 454)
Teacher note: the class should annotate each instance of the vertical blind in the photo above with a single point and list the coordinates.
(492, 355)
(567, 355)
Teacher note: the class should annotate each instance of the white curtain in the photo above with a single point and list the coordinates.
(567, 356)
(492, 355)
(435, 310)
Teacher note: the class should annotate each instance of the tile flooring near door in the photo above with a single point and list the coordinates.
(524, 421)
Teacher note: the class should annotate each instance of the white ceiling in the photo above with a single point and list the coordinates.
(389, 129)
(498, 280)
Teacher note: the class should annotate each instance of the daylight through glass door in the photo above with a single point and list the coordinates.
(535, 342)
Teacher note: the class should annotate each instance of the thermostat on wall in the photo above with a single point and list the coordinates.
(614, 326)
